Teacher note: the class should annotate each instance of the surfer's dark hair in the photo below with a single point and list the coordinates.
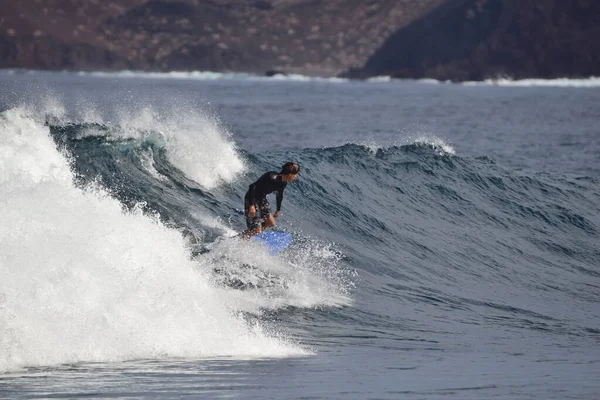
(290, 168)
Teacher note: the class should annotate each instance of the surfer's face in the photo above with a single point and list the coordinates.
(288, 177)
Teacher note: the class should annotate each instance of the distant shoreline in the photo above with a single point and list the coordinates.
(586, 82)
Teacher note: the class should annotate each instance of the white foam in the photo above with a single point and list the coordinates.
(147, 161)
(305, 78)
(429, 139)
(209, 76)
(434, 141)
(380, 79)
(431, 81)
(186, 75)
(195, 143)
(372, 145)
(83, 280)
(306, 275)
(590, 82)
(562, 82)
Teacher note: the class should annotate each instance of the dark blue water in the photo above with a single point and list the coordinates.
(446, 239)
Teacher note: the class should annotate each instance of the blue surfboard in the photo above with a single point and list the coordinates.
(275, 241)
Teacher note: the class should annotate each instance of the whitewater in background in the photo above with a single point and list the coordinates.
(590, 82)
(446, 238)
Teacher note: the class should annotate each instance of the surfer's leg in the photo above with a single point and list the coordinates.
(269, 222)
(253, 224)
(265, 212)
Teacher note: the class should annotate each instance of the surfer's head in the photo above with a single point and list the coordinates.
(289, 171)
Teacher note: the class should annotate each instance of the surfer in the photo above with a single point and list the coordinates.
(256, 206)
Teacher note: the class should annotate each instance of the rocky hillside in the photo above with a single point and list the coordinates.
(322, 37)
(443, 39)
(479, 39)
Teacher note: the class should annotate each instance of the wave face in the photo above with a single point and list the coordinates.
(460, 232)
(117, 245)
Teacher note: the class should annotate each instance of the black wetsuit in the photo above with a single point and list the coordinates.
(257, 195)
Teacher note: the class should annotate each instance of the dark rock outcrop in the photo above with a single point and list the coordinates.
(479, 39)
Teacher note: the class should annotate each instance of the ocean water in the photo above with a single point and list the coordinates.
(446, 238)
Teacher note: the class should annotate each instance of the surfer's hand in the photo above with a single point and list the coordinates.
(252, 211)
(277, 213)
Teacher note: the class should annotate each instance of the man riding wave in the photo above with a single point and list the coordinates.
(256, 205)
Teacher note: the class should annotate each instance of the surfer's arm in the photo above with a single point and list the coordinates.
(252, 191)
(279, 198)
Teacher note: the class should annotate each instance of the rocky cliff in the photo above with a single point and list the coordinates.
(479, 39)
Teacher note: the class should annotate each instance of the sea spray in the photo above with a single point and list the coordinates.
(195, 143)
(84, 280)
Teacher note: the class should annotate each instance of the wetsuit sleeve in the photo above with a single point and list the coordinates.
(280, 196)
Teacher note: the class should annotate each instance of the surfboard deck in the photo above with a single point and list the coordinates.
(274, 240)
